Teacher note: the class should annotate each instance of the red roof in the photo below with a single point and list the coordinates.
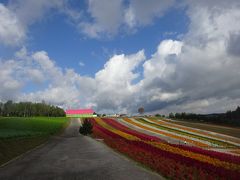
(79, 111)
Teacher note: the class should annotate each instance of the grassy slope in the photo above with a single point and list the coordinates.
(18, 135)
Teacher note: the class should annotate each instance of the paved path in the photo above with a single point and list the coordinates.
(72, 156)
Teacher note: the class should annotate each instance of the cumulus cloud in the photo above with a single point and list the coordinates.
(10, 86)
(115, 82)
(30, 11)
(141, 12)
(11, 30)
(198, 73)
(110, 17)
(101, 19)
(106, 18)
(206, 70)
(17, 16)
(63, 87)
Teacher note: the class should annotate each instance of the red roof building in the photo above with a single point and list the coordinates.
(80, 113)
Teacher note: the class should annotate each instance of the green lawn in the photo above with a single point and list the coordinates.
(19, 134)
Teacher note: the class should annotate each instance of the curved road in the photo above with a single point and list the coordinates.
(72, 156)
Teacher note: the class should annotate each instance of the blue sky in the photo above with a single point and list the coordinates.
(60, 38)
(88, 53)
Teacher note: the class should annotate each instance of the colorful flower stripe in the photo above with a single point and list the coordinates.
(237, 151)
(217, 135)
(180, 132)
(163, 122)
(199, 157)
(218, 155)
(125, 129)
(160, 160)
(136, 153)
(125, 135)
(199, 144)
(196, 156)
(182, 152)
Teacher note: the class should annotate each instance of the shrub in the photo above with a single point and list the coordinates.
(86, 127)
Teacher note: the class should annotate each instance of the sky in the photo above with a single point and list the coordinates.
(116, 56)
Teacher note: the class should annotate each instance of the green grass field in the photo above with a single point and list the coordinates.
(18, 134)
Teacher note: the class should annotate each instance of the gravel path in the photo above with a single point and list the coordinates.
(72, 156)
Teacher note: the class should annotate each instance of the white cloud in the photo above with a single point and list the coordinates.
(17, 16)
(130, 18)
(118, 70)
(198, 73)
(64, 87)
(36, 75)
(102, 18)
(141, 12)
(111, 17)
(107, 17)
(115, 81)
(206, 70)
(43, 60)
(162, 64)
(81, 64)
(11, 30)
(30, 11)
(10, 85)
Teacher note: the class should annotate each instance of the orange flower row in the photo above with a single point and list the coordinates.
(236, 151)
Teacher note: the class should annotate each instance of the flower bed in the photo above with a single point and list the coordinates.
(169, 160)
(199, 144)
(185, 133)
(187, 129)
(221, 156)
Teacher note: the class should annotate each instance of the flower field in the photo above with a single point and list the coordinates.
(217, 136)
(190, 136)
(173, 161)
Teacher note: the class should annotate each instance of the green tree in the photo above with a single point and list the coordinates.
(86, 127)
(171, 115)
(141, 110)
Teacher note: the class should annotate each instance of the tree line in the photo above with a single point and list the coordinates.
(228, 118)
(29, 109)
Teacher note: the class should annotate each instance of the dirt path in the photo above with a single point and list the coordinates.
(72, 156)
